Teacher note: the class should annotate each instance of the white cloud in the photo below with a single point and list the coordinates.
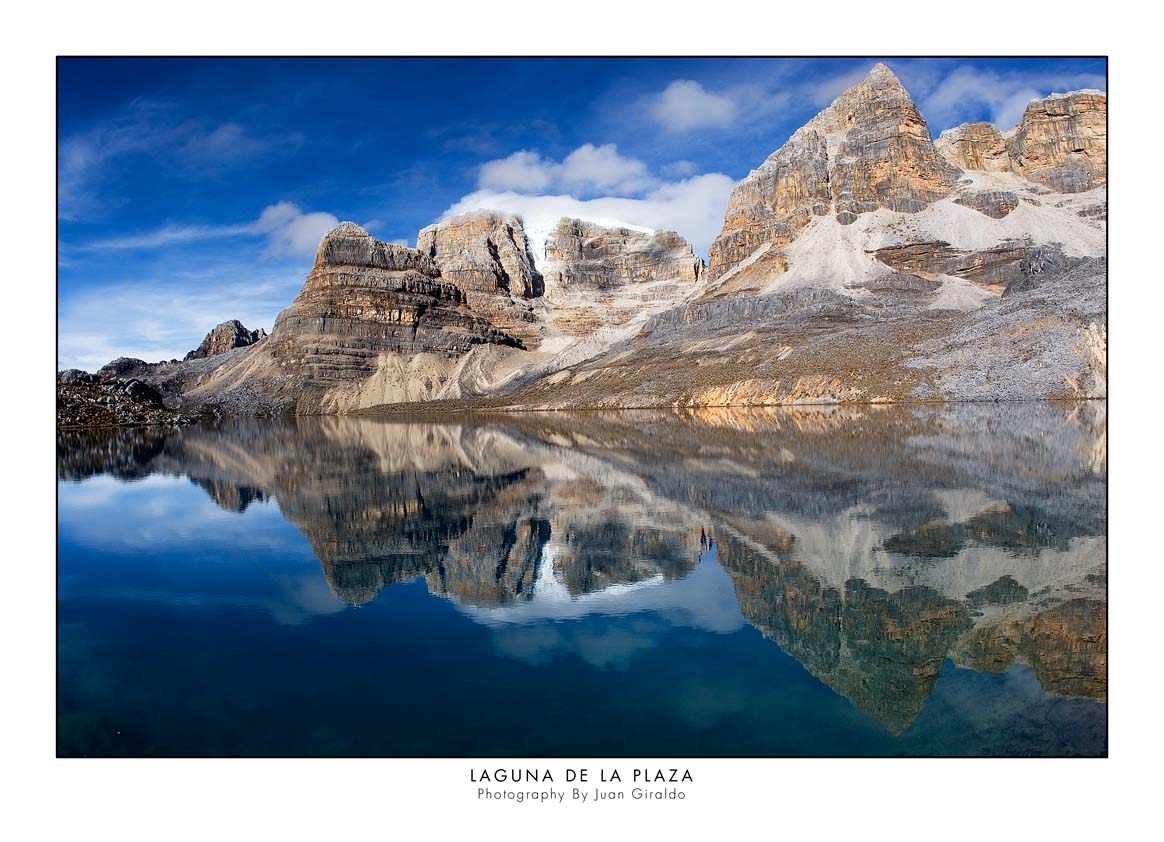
(686, 105)
(1004, 96)
(588, 169)
(693, 207)
(679, 169)
(289, 232)
(149, 321)
(602, 168)
(523, 170)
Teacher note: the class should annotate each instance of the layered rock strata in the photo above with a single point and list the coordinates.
(487, 256)
(1060, 143)
(870, 149)
(589, 256)
(975, 146)
(364, 298)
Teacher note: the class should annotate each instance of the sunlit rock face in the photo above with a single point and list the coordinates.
(582, 255)
(975, 146)
(870, 149)
(486, 255)
(1062, 142)
(364, 298)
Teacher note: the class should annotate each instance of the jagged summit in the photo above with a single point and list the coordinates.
(346, 229)
(862, 260)
(867, 150)
(226, 337)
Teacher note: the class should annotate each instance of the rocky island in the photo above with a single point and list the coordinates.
(861, 262)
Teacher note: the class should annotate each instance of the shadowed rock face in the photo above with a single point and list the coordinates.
(225, 337)
(870, 149)
(364, 298)
(487, 256)
(583, 255)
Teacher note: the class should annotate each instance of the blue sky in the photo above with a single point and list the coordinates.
(194, 191)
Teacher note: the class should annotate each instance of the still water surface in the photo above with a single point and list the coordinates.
(854, 582)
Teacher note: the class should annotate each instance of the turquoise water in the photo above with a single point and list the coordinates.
(853, 582)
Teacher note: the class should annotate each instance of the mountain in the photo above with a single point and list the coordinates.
(861, 261)
(226, 337)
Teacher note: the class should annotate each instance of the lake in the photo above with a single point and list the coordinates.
(826, 581)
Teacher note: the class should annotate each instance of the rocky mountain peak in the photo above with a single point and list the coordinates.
(584, 254)
(483, 251)
(1061, 142)
(869, 149)
(487, 256)
(365, 298)
(226, 337)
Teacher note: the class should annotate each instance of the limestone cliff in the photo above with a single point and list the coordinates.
(1060, 143)
(975, 146)
(487, 256)
(869, 149)
(364, 298)
(584, 255)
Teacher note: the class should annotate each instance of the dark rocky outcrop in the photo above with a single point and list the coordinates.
(994, 203)
(225, 337)
(1006, 268)
(89, 400)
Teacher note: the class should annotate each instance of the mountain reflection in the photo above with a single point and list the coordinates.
(872, 545)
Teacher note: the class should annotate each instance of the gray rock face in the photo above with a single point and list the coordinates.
(365, 297)
(1003, 268)
(225, 337)
(483, 252)
(486, 255)
(583, 255)
(123, 367)
(870, 149)
(994, 203)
